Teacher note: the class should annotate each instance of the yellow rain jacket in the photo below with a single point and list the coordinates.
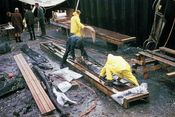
(76, 25)
(116, 65)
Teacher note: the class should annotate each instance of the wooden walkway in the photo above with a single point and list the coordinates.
(41, 98)
(58, 52)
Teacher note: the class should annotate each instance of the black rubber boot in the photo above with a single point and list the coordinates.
(34, 36)
(31, 37)
(19, 39)
(16, 38)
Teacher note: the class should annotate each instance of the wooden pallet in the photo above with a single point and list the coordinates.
(41, 98)
(58, 52)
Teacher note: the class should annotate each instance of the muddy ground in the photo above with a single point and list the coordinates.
(20, 103)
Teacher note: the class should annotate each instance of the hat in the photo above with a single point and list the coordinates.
(16, 9)
(36, 4)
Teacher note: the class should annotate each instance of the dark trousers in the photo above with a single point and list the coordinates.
(42, 26)
(31, 31)
(70, 46)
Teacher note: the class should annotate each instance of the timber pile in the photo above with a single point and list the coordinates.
(41, 98)
(58, 51)
(149, 60)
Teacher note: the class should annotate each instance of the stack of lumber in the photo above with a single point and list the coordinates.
(41, 98)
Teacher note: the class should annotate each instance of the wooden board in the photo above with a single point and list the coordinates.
(113, 37)
(162, 55)
(171, 74)
(90, 76)
(158, 58)
(168, 50)
(41, 98)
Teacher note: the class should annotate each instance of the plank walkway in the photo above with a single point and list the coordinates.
(41, 98)
(58, 51)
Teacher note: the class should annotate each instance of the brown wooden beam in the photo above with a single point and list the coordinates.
(168, 50)
(41, 98)
(171, 74)
(158, 58)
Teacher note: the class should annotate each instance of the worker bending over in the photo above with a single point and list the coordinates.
(116, 65)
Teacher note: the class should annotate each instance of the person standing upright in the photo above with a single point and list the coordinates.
(16, 20)
(29, 17)
(75, 41)
(41, 19)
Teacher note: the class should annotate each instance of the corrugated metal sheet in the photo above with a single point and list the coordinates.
(131, 17)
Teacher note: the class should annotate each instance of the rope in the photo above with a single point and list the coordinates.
(169, 33)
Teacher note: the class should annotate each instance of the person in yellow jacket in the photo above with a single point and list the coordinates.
(76, 25)
(117, 65)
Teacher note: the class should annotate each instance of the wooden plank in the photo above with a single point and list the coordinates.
(168, 50)
(43, 93)
(161, 55)
(158, 58)
(129, 39)
(30, 85)
(38, 86)
(171, 74)
(34, 84)
(37, 91)
(152, 68)
(129, 99)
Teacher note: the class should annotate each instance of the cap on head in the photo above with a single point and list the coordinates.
(36, 4)
(16, 9)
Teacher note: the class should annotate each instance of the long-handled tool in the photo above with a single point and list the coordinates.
(157, 28)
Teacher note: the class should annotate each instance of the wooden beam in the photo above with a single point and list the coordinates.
(171, 74)
(129, 99)
(157, 58)
(161, 55)
(168, 50)
(41, 98)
